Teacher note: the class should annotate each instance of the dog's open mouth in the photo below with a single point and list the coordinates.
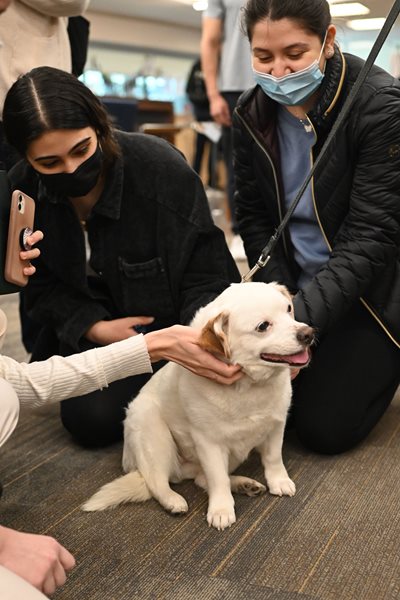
(301, 359)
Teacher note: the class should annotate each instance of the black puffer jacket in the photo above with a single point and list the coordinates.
(356, 193)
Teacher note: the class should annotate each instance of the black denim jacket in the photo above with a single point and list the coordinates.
(153, 245)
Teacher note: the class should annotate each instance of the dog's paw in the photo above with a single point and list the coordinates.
(253, 488)
(175, 504)
(247, 486)
(221, 518)
(282, 487)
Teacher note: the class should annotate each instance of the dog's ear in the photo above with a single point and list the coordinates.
(214, 337)
(283, 290)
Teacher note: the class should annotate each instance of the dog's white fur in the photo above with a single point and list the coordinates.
(183, 426)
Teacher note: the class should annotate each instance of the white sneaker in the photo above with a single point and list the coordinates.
(236, 248)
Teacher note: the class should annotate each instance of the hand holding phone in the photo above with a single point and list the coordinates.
(22, 213)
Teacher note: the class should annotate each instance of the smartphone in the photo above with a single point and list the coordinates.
(5, 198)
(22, 214)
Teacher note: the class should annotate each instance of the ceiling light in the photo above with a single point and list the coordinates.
(348, 9)
(366, 24)
(200, 5)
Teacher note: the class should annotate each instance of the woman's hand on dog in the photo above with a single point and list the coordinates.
(294, 372)
(180, 344)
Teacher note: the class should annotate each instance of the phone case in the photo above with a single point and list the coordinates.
(22, 214)
(5, 200)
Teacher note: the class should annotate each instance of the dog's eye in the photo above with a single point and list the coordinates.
(289, 308)
(262, 326)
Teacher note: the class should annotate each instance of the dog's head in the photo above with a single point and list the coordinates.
(252, 324)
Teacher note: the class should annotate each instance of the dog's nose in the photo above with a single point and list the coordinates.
(305, 335)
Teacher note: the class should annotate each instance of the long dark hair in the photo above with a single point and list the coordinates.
(46, 99)
(312, 15)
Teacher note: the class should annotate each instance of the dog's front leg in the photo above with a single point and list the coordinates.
(279, 482)
(214, 461)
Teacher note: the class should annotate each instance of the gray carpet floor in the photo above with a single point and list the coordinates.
(336, 539)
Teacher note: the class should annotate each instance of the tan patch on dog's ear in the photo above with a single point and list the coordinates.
(283, 290)
(213, 336)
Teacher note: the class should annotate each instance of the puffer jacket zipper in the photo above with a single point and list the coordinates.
(278, 195)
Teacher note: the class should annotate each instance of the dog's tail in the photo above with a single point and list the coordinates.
(128, 488)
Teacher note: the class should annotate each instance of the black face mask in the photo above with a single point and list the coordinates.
(78, 183)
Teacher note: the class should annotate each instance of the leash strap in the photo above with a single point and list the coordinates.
(268, 249)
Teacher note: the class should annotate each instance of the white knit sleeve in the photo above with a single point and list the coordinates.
(60, 377)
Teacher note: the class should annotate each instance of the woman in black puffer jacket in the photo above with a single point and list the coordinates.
(340, 253)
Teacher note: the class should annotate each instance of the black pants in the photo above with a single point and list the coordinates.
(95, 419)
(227, 149)
(353, 376)
(202, 142)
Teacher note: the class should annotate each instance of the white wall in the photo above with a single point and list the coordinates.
(145, 34)
(360, 44)
(139, 33)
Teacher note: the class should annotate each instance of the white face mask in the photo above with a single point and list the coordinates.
(3, 327)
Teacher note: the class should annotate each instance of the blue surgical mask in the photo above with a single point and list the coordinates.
(295, 88)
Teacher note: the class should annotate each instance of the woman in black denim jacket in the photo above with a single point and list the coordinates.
(129, 241)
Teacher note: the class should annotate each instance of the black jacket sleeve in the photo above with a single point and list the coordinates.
(369, 237)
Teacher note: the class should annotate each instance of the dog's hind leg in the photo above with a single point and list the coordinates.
(239, 484)
(247, 486)
(157, 460)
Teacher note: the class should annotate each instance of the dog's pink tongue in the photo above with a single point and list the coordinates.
(297, 359)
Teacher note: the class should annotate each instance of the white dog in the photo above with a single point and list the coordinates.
(183, 426)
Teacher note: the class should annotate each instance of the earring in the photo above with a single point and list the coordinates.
(330, 53)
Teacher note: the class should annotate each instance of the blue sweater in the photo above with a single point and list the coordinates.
(295, 144)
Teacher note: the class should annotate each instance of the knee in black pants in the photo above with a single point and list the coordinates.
(92, 428)
(351, 381)
(334, 427)
(96, 420)
(322, 435)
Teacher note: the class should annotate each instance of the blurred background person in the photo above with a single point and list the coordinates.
(197, 94)
(226, 65)
(33, 33)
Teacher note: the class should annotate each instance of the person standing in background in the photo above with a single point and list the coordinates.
(33, 33)
(226, 65)
(197, 95)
